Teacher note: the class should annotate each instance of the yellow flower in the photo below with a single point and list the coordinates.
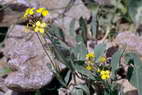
(40, 10)
(102, 59)
(105, 77)
(105, 74)
(39, 27)
(43, 11)
(29, 11)
(89, 67)
(41, 24)
(90, 56)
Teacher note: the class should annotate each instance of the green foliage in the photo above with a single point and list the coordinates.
(94, 24)
(100, 50)
(105, 18)
(80, 89)
(136, 78)
(79, 67)
(76, 91)
(80, 49)
(133, 6)
(68, 77)
(115, 63)
(83, 29)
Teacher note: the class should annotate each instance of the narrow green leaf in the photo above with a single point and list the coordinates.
(94, 24)
(60, 79)
(83, 28)
(116, 61)
(59, 53)
(80, 49)
(68, 77)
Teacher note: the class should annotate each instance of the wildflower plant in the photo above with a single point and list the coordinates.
(94, 68)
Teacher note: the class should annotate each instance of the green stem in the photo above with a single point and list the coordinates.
(53, 64)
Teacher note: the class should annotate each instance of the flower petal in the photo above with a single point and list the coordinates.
(44, 12)
(38, 23)
(103, 77)
(36, 29)
(102, 72)
(41, 30)
(43, 25)
(40, 10)
(89, 67)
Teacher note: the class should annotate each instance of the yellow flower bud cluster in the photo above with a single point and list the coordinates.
(90, 60)
(39, 26)
(35, 21)
(32, 11)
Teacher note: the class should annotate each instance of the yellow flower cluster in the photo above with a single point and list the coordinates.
(105, 74)
(39, 26)
(32, 11)
(29, 11)
(90, 60)
(42, 11)
(35, 21)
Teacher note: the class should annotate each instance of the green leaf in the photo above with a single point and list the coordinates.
(133, 6)
(60, 52)
(77, 92)
(56, 31)
(137, 73)
(83, 28)
(100, 50)
(84, 88)
(129, 61)
(116, 61)
(80, 49)
(68, 77)
(60, 79)
(94, 24)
